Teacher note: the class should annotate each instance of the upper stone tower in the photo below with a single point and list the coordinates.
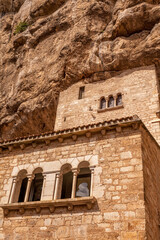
(134, 92)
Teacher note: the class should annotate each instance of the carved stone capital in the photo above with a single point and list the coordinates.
(30, 177)
(75, 171)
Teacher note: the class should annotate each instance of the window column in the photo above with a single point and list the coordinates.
(57, 185)
(30, 178)
(91, 187)
(44, 182)
(14, 181)
(75, 173)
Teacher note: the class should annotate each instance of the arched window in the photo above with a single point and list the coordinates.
(23, 190)
(83, 180)
(20, 187)
(36, 186)
(111, 102)
(119, 99)
(102, 103)
(66, 180)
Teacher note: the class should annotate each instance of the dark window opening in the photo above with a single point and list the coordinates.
(81, 92)
(119, 100)
(3, 14)
(111, 101)
(103, 103)
(23, 190)
(36, 188)
(83, 183)
(67, 185)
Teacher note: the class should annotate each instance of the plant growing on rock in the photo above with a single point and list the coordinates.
(21, 27)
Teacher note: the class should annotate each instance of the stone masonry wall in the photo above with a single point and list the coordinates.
(119, 213)
(151, 168)
(139, 88)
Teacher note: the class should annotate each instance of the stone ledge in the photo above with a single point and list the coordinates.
(50, 204)
(110, 109)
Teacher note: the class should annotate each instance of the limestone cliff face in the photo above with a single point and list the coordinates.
(67, 41)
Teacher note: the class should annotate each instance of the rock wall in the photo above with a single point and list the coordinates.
(67, 41)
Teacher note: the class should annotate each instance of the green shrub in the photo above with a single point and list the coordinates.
(21, 27)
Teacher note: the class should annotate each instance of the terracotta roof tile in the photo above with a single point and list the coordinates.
(109, 123)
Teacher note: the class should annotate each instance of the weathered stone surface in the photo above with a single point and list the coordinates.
(126, 206)
(142, 101)
(67, 41)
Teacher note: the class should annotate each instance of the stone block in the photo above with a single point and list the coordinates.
(126, 155)
(127, 169)
(129, 235)
(111, 216)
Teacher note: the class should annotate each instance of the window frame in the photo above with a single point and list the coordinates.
(81, 92)
(119, 94)
(87, 201)
(101, 104)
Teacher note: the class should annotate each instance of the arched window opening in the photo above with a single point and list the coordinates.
(103, 103)
(67, 185)
(36, 186)
(119, 100)
(66, 180)
(23, 190)
(83, 181)
(20, 187)
(111, 102)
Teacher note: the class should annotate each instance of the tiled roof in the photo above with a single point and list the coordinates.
(80, 130)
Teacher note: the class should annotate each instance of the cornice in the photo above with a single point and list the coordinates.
(73, 133)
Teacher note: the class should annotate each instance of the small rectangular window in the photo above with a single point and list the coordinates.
(81, 92)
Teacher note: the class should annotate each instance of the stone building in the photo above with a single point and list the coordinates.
(97, 176)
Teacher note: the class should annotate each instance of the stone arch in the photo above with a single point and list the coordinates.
(83, 185)
(65, 181)
(102, 104)
(83, 164)
(20, 187)
(119, 99)
(110, 101)
(36, 185)
(38, 170)
(65, 168)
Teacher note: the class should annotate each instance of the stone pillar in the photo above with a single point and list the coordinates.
(48, 188)
(91, 187)
(56, 185)
(44, 183)
(30, 178)
(75, 173)
(14, 181)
